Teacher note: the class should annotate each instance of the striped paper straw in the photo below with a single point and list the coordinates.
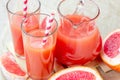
(25, 9)
(49, 21)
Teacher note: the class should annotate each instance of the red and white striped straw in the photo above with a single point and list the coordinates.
(25, 9)
(49, 21)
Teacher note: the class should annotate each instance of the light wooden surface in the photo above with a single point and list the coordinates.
(108, 21)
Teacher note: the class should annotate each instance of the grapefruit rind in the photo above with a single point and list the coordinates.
(113, 63)
(7, 74)
(113, 67)
(76, 68)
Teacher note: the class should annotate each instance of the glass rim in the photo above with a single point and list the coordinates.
(42, 29)
(20, 14)
(91, 19)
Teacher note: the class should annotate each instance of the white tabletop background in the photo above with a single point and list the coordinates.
(108, 20)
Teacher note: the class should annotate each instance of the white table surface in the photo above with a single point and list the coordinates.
(108, 20)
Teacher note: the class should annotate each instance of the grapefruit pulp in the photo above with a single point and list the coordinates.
(76, 73)
(111, 50)
(10, 68)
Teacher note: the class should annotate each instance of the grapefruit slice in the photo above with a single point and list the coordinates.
(76, 73)
(111, 50)
(10, 68)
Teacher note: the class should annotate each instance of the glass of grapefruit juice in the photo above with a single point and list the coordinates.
(15, 14)
(39, 53)
(78, 38)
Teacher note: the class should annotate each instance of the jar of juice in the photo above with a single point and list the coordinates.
(78, 39)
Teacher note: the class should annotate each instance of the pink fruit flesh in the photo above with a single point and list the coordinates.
(11, 66)
(112, 45)
(77, 75)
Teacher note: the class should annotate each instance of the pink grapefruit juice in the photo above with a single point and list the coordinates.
(15, 24)
(77, 45)
(39, 58)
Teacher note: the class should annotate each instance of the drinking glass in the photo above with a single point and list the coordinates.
(15, 14)
(78, 38)
(39, 46)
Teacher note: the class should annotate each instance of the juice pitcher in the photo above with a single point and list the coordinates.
(78, 39)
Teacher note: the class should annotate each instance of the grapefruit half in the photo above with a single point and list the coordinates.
(76, 73)
(10, 68)
(111, 50)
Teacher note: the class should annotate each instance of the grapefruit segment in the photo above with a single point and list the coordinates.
(10, 68)
(76, 73)
(111, 50)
